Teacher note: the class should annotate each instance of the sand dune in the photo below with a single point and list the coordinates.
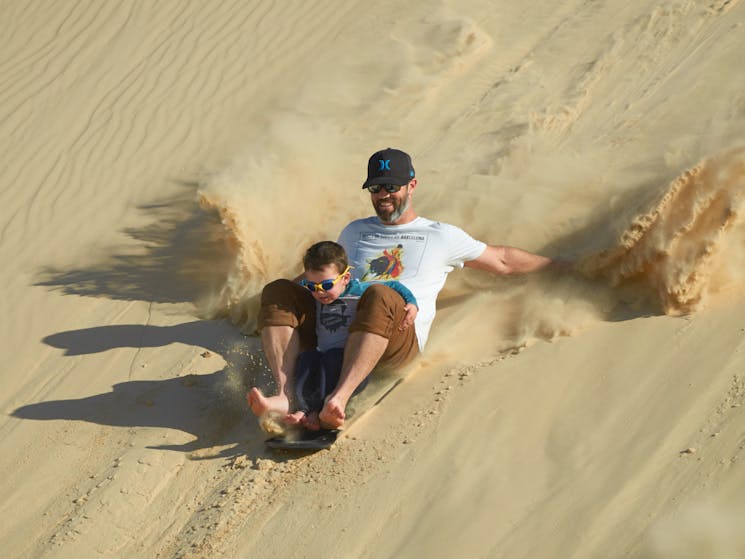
(163, 161)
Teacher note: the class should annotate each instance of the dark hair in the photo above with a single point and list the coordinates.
(325, 253)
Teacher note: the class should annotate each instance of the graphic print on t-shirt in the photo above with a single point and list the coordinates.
(335, 315)
(387, 266)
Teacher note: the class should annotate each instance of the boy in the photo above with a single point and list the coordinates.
(327, 276)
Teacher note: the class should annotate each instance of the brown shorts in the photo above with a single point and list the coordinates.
(380, 311)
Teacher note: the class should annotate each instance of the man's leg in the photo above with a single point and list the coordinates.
(361, 353)
(374, 340)
(287, 324)
(281, 348)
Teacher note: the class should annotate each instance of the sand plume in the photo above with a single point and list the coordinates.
(688, 245)
(274, 201)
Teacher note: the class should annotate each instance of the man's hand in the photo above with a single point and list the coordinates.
(411, 312)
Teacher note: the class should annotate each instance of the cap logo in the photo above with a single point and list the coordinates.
(385, 164)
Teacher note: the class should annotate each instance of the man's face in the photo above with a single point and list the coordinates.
(390, 206)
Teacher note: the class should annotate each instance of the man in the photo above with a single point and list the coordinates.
(395, 244)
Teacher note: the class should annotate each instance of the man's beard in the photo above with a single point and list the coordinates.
(399, 208)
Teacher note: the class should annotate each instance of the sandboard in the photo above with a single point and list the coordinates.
(303, 439)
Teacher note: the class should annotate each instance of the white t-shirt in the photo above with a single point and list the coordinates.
(419, 254)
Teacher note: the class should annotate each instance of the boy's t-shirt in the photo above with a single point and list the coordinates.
(419, 254)
(333, 320)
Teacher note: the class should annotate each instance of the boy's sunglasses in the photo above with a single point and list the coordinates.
(390, 188)
(325, 285)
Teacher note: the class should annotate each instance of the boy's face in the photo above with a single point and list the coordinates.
(328, 272)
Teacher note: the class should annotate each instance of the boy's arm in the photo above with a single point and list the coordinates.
(402, 290)
(357, 287)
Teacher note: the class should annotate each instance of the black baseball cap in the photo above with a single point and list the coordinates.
(389, 166)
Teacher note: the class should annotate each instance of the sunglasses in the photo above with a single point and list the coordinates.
(390, 188)
(325, 285)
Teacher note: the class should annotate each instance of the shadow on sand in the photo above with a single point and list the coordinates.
(180, 255)
(211, 407)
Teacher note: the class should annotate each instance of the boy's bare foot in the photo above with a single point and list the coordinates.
(295, 418)
(332, 415)
(262, 405)
(271, 410)
(311, 421)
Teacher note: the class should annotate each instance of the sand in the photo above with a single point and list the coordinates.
(162, 161)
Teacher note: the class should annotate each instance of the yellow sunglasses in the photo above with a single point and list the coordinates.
(325, 285)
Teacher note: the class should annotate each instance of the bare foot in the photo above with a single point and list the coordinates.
(295, 418)
(311, 421)
(332, 415)
(263, 405)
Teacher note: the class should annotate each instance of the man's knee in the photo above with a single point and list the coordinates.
(381, 311)
(377, 311)
(285, 303)
(277, 291)
(378, 295)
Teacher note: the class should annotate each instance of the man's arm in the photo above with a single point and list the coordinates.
(504, 260)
